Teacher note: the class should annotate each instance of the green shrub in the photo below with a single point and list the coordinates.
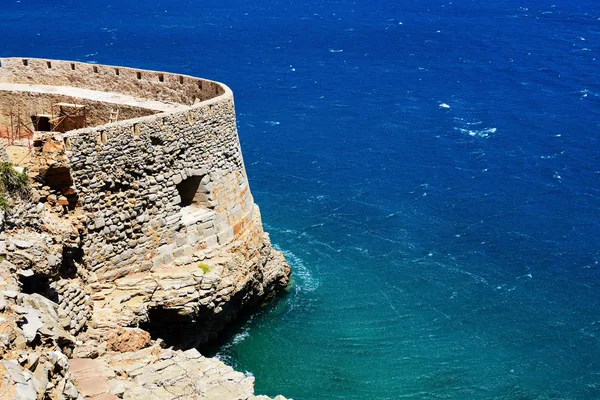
(204, 267)
(4, 203)
(13, 183)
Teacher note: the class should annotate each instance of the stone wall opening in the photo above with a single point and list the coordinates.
(41, 123)
(156, 141)
(193, 193)
(55, 181)
(38, 284)
(195, 200)
(58, 177)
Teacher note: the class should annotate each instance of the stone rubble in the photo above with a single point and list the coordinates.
(33, 344)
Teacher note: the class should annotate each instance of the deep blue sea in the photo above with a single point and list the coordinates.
(431, 169)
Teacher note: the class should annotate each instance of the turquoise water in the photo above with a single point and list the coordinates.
(430, 169)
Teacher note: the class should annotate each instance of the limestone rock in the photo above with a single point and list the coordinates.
(155, 373)
(128, 339)
(32, 252)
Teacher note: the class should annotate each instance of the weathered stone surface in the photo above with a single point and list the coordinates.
(155, 373)
(128, 339)
(32, 345)
(90, 376)
(38, 252)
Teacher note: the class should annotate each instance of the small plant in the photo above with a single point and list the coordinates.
(13, 183)
(204, 267)
(4, 205)
(10, 178)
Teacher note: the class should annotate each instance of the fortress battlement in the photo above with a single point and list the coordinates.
(161, 180)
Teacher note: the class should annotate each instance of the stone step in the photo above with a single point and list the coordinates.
(193, 215)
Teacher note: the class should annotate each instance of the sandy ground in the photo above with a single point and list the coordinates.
(107, 97)
(18, 153)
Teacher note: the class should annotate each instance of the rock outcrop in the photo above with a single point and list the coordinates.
(157, 373)
(40, 359)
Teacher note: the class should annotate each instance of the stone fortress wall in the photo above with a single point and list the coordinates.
(27, 103)
(156, 187)
(160, 86)
(137, 225)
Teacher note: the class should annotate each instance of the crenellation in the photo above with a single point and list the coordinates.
(174, 88)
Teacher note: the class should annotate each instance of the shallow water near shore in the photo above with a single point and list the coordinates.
(431, 171)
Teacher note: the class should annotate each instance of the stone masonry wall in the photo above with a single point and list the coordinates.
(129, 177)
(74, 305)
(161, 86)
(126, 176)
(28, 104)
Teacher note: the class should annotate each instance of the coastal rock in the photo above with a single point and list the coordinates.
(156, 373)
(128, 339)
(187, 297)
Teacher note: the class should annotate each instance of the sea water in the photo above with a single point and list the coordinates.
(430, 169)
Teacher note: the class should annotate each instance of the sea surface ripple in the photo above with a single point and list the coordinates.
(431, 170)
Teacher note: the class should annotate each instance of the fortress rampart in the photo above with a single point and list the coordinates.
(159, 86)
(137, 224)
(156, 187)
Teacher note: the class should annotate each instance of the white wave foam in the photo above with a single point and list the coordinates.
(482, 133)
(224, 354)
(462, 121)
(303, 278)
(524, 276)
(476, 277)
(314, 226)
(444, 105)
(336, 51)
(272, 123)
(240, 337)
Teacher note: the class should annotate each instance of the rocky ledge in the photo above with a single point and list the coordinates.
(42, 360)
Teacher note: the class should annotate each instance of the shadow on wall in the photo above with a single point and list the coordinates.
(194, 192)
